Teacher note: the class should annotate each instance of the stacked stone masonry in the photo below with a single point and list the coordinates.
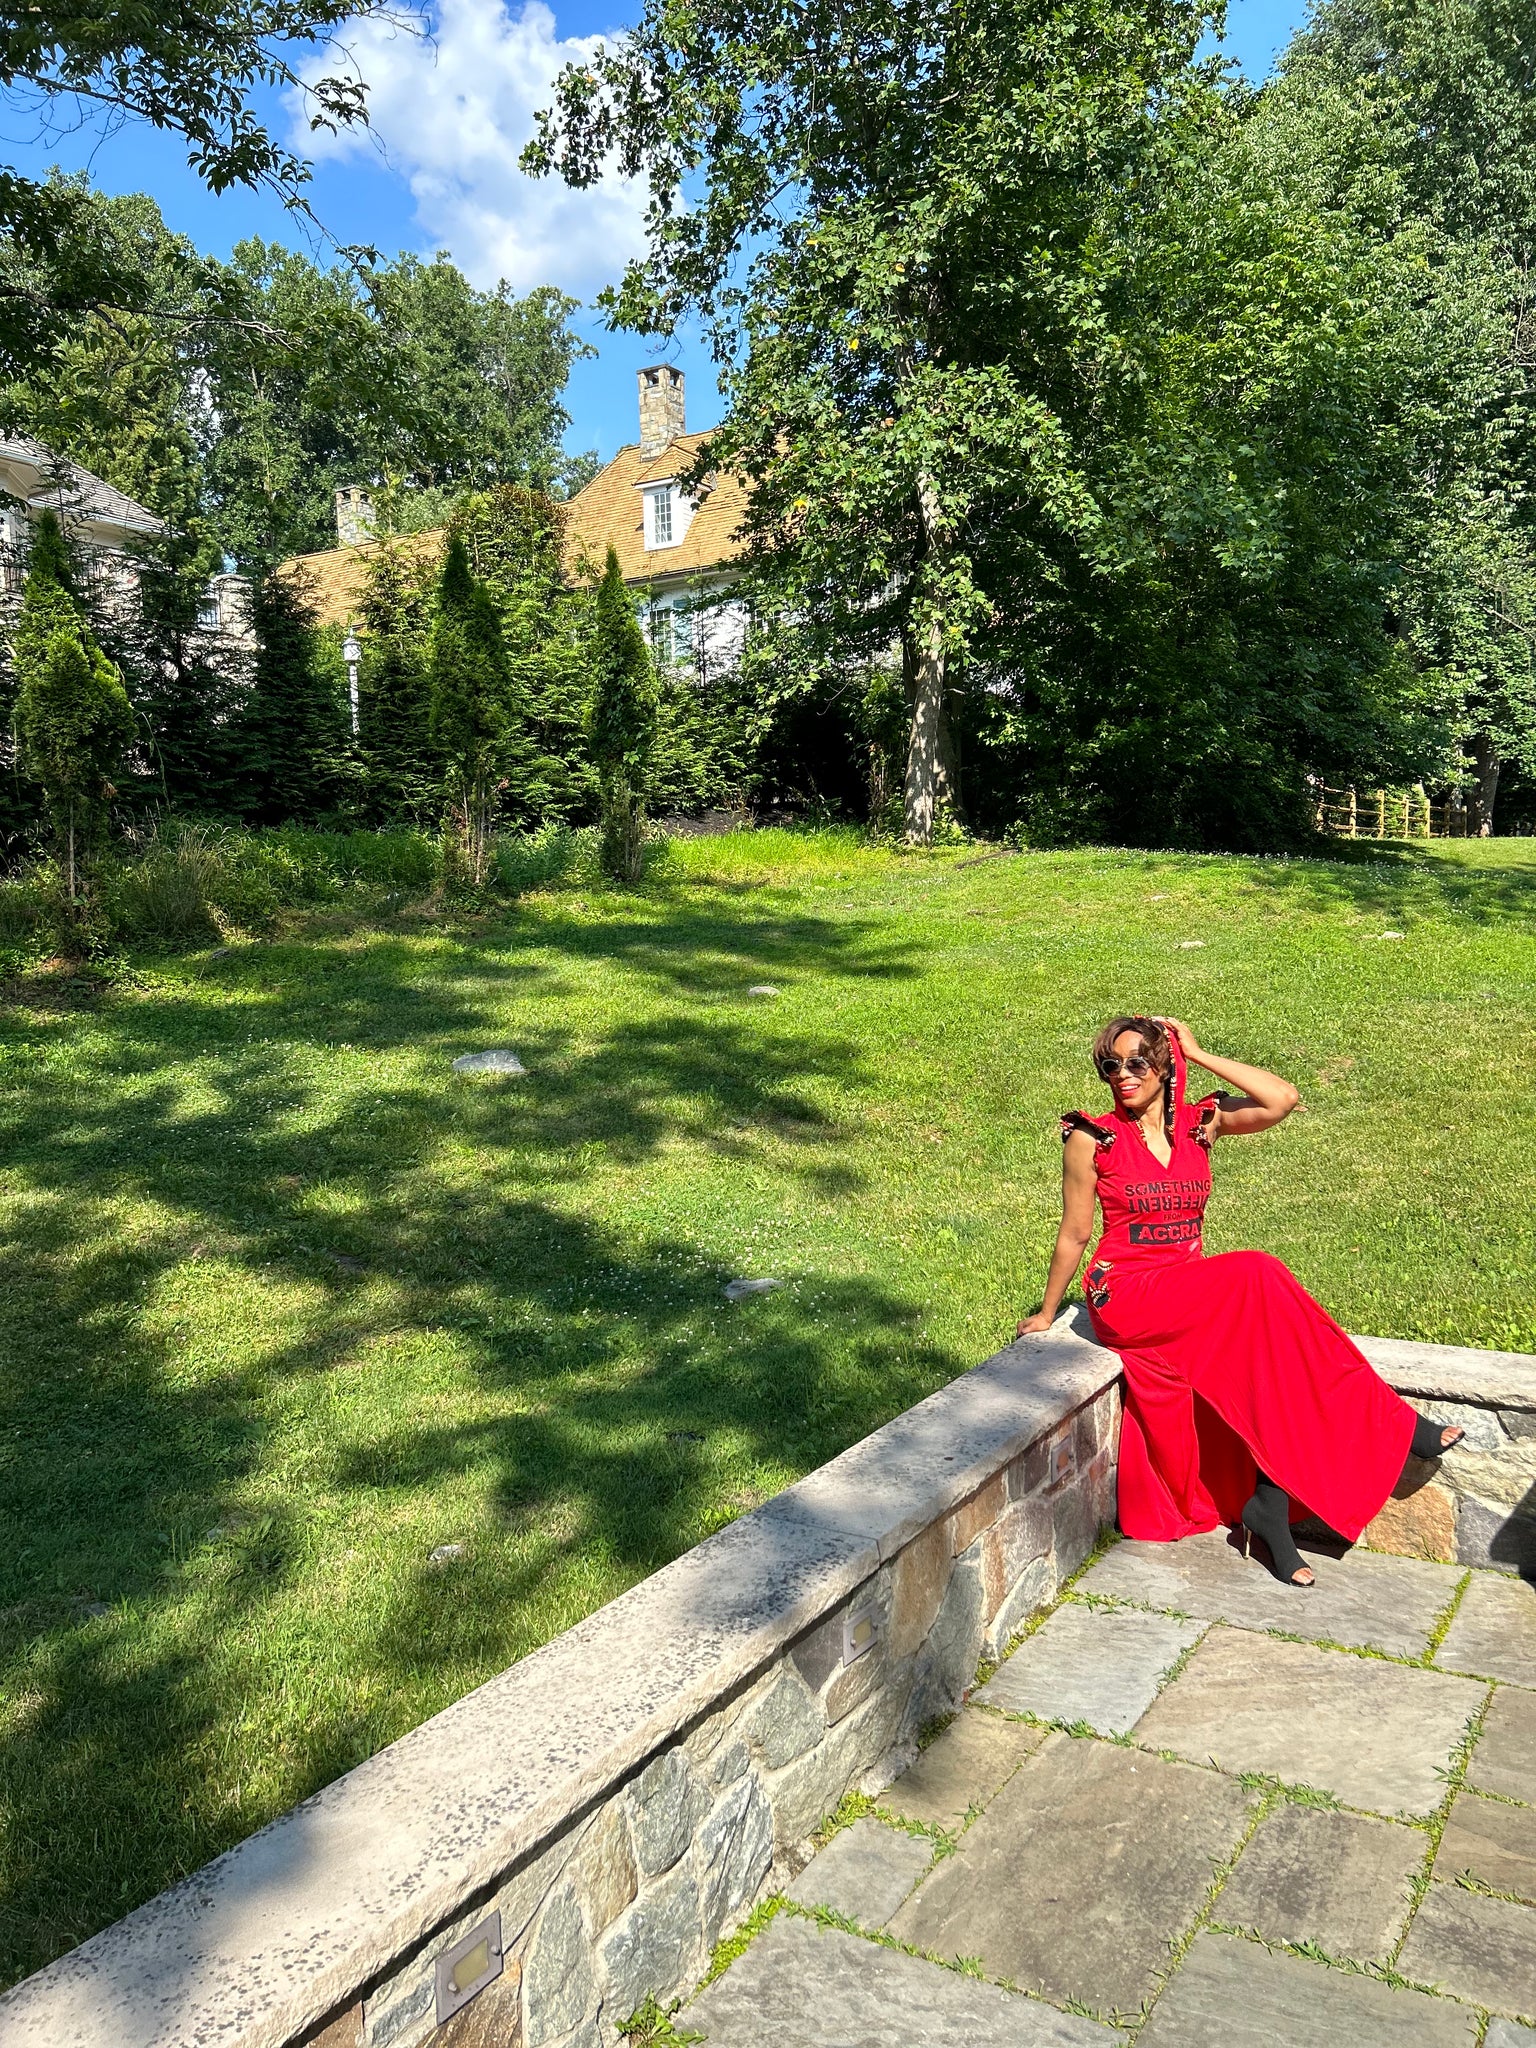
(1478, 1505)
(629, 1903)
(610, 1807)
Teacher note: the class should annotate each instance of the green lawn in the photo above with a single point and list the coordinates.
(290, 1305)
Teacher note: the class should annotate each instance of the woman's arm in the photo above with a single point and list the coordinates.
(1077, 1192)
(1265, 1100)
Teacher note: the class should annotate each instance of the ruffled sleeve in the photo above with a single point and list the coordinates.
(1074, 1120)
(1202, 1113)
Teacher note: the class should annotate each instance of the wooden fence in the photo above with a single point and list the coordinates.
(1392, 814)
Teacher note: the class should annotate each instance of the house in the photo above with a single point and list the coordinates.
(675, 551)
(103, 525)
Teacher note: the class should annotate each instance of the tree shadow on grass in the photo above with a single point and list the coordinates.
(1397, 880)
(179, 1661)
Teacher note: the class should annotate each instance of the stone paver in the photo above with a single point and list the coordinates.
(975, 1756)
(1098, 1665)
(1491, 1841)
(1494, 1632)
(864, 1873)
(1332, 1878)
(819, 1988)
(1504, 1760)
(1230, 1993)
(1364, 1600)
(1078, 1864)
(1374, 1734)
(1475, 1947)
(1081, 1871)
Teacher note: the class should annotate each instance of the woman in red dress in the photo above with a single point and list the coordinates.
(1242, 1395)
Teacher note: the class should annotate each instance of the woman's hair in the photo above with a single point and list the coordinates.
(1154, 1040)
(1154, 1044)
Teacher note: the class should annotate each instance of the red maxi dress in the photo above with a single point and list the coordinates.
(1229, 1362)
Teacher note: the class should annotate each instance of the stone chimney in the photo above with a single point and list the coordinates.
(661, 408)
(354, 516)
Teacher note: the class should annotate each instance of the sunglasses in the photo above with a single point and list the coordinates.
(1137, 1066)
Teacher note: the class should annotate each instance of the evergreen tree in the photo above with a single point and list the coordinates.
(514, 536)
(292, 735)
(401, 770)
(72, 719)
(473, 727)
(621, 720)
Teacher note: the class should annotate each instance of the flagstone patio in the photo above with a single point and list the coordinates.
(1194, 1809)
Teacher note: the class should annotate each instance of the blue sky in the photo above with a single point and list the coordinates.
(450, 117)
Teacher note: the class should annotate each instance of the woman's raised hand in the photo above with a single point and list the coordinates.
(1183, 1034)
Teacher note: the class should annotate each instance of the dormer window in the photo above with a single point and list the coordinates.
(668, 513)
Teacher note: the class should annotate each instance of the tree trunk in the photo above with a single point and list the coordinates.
(949, 760)
(923, 748)
(1485, 755)
(927, 663)
(623, 850)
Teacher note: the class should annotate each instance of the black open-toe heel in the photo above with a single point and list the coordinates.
(1267, 1515)
(1429, 1437)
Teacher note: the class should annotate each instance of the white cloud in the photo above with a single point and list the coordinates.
(453, 112)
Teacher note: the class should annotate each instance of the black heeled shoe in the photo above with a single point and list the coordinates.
(1428, 1438)
(1267, 1516)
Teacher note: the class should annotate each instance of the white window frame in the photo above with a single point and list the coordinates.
(662, 522)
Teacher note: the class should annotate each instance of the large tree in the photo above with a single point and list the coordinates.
(199, 72)
(883, 215)
(1432, 103)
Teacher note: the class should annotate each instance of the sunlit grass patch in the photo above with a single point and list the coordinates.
(335, 1380)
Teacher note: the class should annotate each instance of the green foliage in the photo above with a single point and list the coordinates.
(1426, 105)
(72, 719)
(234, 397)
(653, 2026)
(621, 719)
(293, 730)
(406, 371)
(198, 74)
(913, 350)
(1183, 427)
(188, 884)
(473, 721)
(402, 772)
(513, 537)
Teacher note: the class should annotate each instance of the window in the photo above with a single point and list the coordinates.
(661, 517)
(671, 631)
(209, 615)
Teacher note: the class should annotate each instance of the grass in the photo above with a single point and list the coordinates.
(291, 1306)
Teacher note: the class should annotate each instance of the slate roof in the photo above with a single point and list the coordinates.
(86, 497)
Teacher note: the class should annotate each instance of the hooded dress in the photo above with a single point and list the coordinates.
(1231, 1367)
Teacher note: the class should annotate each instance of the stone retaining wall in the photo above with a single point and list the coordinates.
(1477, 1505)
(523, 1870)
